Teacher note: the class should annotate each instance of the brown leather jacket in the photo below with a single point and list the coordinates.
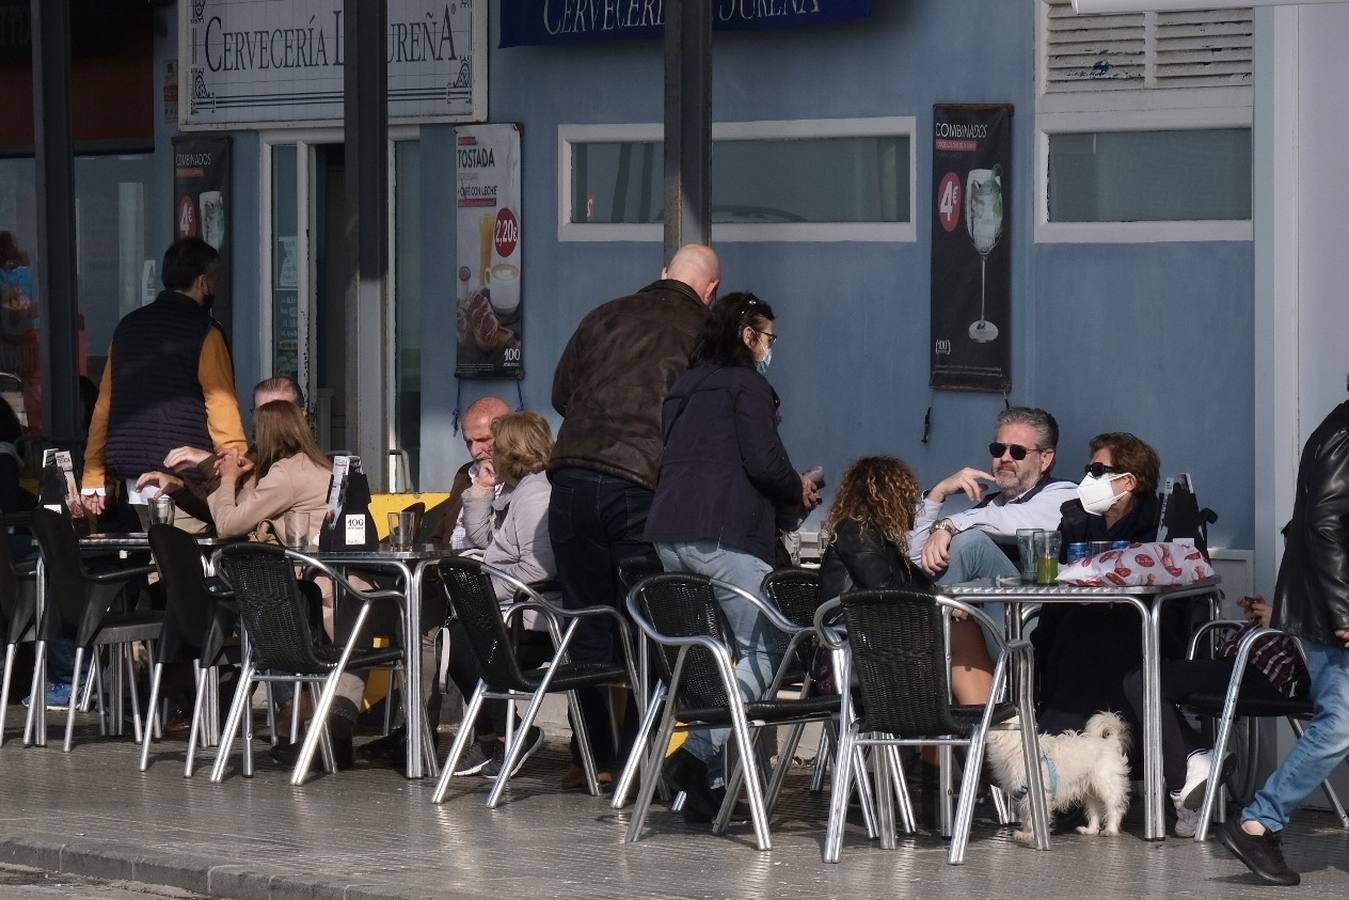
(1311, 598)
(614, 375)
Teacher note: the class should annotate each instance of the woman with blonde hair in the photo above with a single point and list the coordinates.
(868, 549)
(511, 526)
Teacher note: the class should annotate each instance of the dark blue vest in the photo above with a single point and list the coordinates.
(157, 401)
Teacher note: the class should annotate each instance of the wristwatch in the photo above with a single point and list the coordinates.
(945, 525)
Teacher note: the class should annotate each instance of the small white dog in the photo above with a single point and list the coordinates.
(1089, 767)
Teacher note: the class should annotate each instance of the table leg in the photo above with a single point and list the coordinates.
(412, 680)
(1154, 821)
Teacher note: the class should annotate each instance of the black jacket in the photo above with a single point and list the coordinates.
(860, 558)
(725, 472)
(1137, 526)
(1311, 598)
(613, 375)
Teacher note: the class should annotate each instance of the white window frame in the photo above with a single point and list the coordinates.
(1130, 110)
(741, 232)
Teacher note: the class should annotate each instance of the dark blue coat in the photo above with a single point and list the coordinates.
(725, 472)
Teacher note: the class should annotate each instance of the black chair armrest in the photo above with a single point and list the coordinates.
(119, 574)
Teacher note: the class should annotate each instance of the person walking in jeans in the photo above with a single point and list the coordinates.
(608, 388)
(1311, 602)
(724, 478)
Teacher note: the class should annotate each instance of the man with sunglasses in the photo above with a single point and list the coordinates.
(962, 546)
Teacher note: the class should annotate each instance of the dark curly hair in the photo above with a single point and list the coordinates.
(719, 344)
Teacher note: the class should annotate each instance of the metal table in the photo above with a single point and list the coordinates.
(35, 725)
(412, 565)
(1148, 601)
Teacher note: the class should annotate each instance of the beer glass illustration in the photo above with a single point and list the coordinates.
(983, 220)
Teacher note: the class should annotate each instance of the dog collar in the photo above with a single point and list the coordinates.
(1051, 770)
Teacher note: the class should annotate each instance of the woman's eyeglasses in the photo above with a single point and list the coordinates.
(1096, 470)
(996, 450)
(772, 338)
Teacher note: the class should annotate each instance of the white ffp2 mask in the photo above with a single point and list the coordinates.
(1097, 494)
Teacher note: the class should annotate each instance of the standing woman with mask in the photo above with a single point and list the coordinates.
(723, 477)
(1082, 653)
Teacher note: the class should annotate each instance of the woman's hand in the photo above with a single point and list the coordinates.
(166, 483)
(810, 495)
(232, 466)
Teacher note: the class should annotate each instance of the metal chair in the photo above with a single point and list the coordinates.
(895, 647)
(196, 625)
(282, 645)
(796, 593)
(78, 603)
(1228, 707)
(680, 612)
(18, 608)
(473, 599)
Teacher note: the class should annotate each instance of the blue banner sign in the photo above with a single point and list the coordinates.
(528, 22)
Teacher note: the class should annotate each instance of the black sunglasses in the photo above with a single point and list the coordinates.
(996, 450)
(1096, 470)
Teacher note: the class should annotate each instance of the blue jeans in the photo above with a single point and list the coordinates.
(974, 555)
(756, 639)
(1323, 747)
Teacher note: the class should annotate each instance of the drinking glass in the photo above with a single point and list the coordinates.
(983, 221)
(297, 529)
(1047, 557)
(1028, 551)
(403, 527)
(162, 509)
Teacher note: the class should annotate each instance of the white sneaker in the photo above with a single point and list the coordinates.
(1196, 777)
(1187, 820)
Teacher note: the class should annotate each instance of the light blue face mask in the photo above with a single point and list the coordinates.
(761, 365)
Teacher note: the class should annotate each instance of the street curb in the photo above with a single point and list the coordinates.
(120, 862)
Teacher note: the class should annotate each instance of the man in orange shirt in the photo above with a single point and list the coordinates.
(168, 383)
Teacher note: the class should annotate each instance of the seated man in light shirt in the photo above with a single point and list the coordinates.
(960, 547)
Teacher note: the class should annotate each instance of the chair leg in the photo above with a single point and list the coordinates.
(902, 791)
(10, 651)
(326, 757)
(428, 743)
(516, 746)
(838, 799)
(1331, 794)
(969, 786)
(74, 700)
(945, 782)
(89, 682)
(100, 698)
(779, 775)
(135, 695)
(30, 720)
(155, 675)
(461, 740)
(866, 798)
(634, 760)
(885, 805)
(317, 728)
(828, 738)
(1225, 723)
(271, 715)
(198, 724)
(651, 773)
(232, 721)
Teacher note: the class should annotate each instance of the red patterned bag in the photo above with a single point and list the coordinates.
(1139, 565)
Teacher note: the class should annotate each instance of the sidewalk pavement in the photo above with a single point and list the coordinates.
(369, 833)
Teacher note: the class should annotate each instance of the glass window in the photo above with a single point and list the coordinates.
(408, 304)
(117, 266)
(285, 264)
(754, 180)
(1150, 176)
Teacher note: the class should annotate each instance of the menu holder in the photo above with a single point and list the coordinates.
(349, 524)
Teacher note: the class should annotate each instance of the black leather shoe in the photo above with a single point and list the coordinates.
(343, 754)
(1262, 854)
(688, 773)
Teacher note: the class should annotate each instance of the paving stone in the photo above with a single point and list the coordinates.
(371, 833)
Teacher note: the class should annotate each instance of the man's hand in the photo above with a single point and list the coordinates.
(937, 552)
(94, 503)
(486, 481)
(967, 481)
(186, 457)
(1343, 635)
(1256, 610)
(163, 480)
(810, 496)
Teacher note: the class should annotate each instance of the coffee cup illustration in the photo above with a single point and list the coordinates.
(505, 281)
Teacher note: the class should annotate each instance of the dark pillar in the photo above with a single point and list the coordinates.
(365, 80)
(688, 123)
(56, 287)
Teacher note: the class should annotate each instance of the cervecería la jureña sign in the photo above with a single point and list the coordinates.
(571, 21)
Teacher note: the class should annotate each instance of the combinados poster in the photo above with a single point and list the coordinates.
(201, 198)
(489, 308)
(971, 248)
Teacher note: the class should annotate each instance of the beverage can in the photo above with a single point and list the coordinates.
(1098, 547)
(1120, 545)
(1077, 550)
